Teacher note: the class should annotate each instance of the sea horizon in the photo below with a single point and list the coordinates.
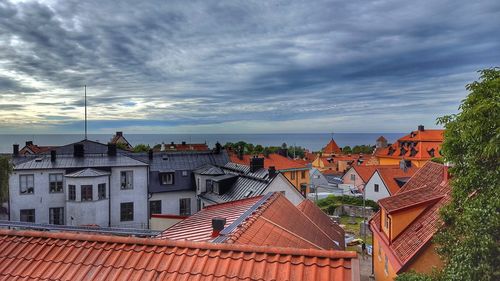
(311, 141)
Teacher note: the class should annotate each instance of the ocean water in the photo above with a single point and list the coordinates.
(313, 142)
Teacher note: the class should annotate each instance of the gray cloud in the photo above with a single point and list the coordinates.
(209, 62)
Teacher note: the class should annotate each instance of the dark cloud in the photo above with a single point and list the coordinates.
(207, 62)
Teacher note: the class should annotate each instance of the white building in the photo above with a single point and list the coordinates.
(386, 181)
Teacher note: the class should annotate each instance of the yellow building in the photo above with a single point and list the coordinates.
(418, 147)
(403, 228)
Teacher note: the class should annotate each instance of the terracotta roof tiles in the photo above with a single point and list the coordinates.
(332, 148)
(274, 159)
(37, 255)
(390, 175)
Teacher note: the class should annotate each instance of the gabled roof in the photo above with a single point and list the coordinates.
(365, 172)
(209, 170)
(390, 175)
(87, 173)
(35, 149)
(279, 162)
(427, 182)
(119, 138)
(269, 220)
(198, 227)
(323, 221)
(332, 148)
(381, 138)
(417, 145)
(68, 161)
(37, 255)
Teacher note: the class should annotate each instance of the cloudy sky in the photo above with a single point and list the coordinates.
(240, 66)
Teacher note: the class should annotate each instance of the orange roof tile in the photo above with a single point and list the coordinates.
(274, 159)
(38, 255)
(390, 175)
(365, 172)
(35, 149)
(418, 145)
(322, 220)
(269, 220)
(429, 180)
(280, 223)
(332, 148)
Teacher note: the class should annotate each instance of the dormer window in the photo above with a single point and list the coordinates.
(387, 224)
(431, 152)
(166, 178)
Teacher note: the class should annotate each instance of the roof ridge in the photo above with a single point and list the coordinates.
(251, 219)
(236, 202)
(179, 243)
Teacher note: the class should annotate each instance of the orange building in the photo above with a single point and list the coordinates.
(418, 147)
(404, 226)
(297, 173)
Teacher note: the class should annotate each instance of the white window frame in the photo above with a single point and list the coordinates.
(127, 179)
(29, 183)
(58, 179)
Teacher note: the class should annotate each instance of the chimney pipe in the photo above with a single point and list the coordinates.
(183, 143)
(217, 226)
(78, 150)
(446, 172)
(29, 143)
(150, 154)
(120, 134)
(218, 147)
(52, 156)
(111, 149)
(420, 127)
(256, 163)
(272, 172)
(15, 149)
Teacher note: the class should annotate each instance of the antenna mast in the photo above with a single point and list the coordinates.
(85, 112)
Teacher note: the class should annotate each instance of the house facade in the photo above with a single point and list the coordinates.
(387, 180)
(404, 226)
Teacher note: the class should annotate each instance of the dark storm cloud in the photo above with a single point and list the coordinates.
(207, 62)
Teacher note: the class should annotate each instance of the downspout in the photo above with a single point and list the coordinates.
(109, 199)
(148, 216)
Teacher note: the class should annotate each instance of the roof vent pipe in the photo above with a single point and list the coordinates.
(217, 226)
(15, 149)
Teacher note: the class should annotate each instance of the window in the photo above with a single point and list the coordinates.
(71, 192)
(27, 184)
(210, 186)
(55, 183)
(386, 265)
(86, 192)
(101, 191)
(303, 174)
(127, 211)
(184, 173)
(185, 206)
(126, 180)
(353, 177)
(56, 216)
(28, 215)
(376, 187)
(166, 178)
(303, 189)
(155, 207)
(293, 175)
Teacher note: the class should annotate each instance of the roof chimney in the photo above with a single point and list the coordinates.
(29, 143)
(183, 143)
(111, 149)
(218, 147)
(15, 149)
(446, 172)
(272, 172)
(78, 150)
(119, 134)
(52, 156)
(420, 127)
(150, 154)
(240, 153)
(256, 163)
(217, 226)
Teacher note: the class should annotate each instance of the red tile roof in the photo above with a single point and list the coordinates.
(429, 180)
(269, 220)
(183, 147)
(425, 145)
(365, 172)
(322, 220)
(409, 199)
(389, 174)
(280, 223)
(198, 227)
(332, 148)
(35, 149)
(274, 159)
(37, 255)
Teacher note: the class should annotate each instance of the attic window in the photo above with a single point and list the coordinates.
(431, 152)
(164, 157)
(402, 151)
(166, 178)
(391, 150)
(38, 159)
(413, 152)
(248, 193)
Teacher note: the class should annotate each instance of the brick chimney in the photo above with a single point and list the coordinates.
(15, 149)
(119, 134)
(217, 226)
(272, 172)
(420, 127)
(256, 163)
(446, 172)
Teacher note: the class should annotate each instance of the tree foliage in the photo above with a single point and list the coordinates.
(330, 203)
(141, 148)
(468, 242)
(5, 170)
(249, 148)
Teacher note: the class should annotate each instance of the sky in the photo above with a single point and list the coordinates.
(239, 66)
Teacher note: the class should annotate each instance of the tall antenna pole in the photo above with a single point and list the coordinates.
(85, 112)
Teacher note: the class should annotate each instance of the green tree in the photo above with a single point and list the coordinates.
(141, 148)
(468, 241)
(346, 149)
(5, 170)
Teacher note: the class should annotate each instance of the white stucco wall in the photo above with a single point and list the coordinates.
(87, 212)
(170, 201)
(370, 188)
(279, 184)
(41, 200)
(138, 195)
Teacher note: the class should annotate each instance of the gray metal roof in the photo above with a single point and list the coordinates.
(185, 160)
(68, 161)
(209, 170)
(88, 173)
